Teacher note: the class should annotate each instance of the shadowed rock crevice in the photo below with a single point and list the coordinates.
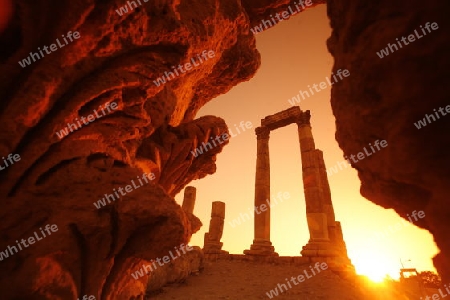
(83, 251)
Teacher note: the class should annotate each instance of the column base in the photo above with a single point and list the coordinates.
(213, 247)
(337, 260)
(319, 248)
(261, 248)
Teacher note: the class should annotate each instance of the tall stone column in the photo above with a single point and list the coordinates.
(315, 206)
(326, 240)
(261, 243)
(189, 199)
(317, 210)
(326, 197)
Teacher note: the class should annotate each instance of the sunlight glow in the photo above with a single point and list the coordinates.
(376, 238)
(374, 274)
(372, 266)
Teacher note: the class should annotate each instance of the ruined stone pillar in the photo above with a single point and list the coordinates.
(318, 211)
(212, 244)
(326, 239)
(326, 196)
(189, 199)
(315, 207)
(261, 243)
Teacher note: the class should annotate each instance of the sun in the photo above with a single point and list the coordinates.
(376, 276)
(372, 269)
(375, 269)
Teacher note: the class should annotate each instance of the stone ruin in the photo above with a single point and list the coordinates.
(154, 127)
(326, 243)
(212, 244)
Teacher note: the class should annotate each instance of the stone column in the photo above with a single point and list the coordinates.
(326, 196)
(313, 159)
(212, 244)
(189, 199)
(315, 206)
(326, 240)
(261, 243)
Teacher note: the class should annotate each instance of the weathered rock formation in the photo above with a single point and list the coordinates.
(383, 98)
(116, 59)
(176, 271)
(114, 62)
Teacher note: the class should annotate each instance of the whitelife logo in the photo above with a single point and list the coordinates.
(323, 85)
(423, 123)
(31, 240)
(258, 209)
(90, 118)
(10, 158)
(391, 48)
(438, 296)
(85, 297)
(380, 235)
(128, 189)
(220, 139)
(124, 9)
(188, 66)
(285, 15)
(360, 155)
(166, 259)
(27, 61)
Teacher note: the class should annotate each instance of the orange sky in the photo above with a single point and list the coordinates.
(294, 55)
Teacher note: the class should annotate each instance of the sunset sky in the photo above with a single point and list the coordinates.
(294, 55)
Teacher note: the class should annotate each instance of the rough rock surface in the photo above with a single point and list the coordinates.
(57, 180)
(383, 98)
(117, 58)
(177, 270)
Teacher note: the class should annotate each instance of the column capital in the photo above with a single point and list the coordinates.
(304, 118)
(262, 132)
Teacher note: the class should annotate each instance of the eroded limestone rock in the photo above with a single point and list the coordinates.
(115, 61)
(384, 97)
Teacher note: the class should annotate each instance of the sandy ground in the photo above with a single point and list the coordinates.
(236, 280)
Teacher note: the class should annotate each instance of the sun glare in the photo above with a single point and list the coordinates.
(372, 267)
(376, 276)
